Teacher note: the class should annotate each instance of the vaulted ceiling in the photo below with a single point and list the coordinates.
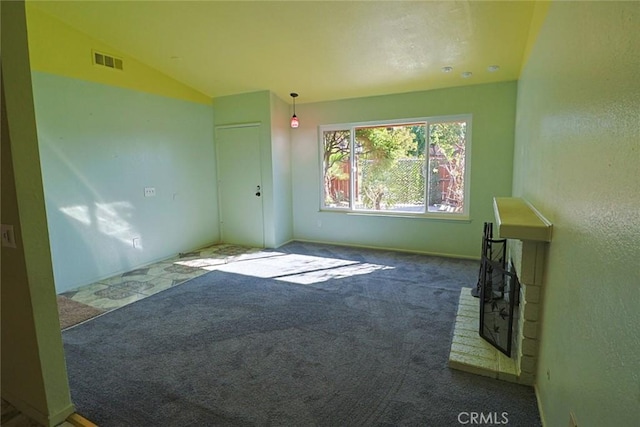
(322, 50)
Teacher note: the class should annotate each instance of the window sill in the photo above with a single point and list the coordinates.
(422, 216)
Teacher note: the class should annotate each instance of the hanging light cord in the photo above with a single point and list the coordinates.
(294, 96)
(294, 119)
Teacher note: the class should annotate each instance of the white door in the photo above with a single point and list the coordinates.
(240, 186)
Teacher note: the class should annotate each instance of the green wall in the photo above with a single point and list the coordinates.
(268, 110)
(33, 374)
(105, 135)
(100, 147)
(281, 170)
(577, 159)
(493, 114)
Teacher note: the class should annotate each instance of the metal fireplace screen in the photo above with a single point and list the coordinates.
(498, 293)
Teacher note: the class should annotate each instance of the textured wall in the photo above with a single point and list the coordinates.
(577, 159)
(493, 109)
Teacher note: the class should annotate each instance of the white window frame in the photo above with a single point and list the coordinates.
(351, 127)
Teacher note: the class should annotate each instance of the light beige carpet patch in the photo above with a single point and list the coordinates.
(73, 312)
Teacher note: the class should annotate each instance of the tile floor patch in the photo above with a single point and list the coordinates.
(114, 293)
(138, 272)
(132, 286)
(190, 255)
(180, 269)
(155, 286)
(69, 294)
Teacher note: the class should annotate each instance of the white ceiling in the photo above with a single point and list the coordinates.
(322, 50)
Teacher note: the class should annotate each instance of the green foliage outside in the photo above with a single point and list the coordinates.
(390, 166)
(401, 186)
(379, 149)
(447, 145)
(335, 156)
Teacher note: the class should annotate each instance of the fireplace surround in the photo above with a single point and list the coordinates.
(528, 234)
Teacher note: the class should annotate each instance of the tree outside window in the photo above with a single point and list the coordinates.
(416, 167)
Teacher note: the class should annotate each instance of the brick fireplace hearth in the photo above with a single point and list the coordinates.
(528, 234)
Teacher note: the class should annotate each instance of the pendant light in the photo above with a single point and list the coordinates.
(294, 119)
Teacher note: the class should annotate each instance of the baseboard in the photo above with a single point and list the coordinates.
(386, 248)
(49, 420)
(135, 267)
(540, 411)
(200, 247)
(284, 243)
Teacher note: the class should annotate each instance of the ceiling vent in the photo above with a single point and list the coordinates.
(104, 60)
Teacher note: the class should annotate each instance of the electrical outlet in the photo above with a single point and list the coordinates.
(149, 191)
(8, 238)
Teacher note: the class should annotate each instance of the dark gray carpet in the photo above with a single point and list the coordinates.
(308, 335)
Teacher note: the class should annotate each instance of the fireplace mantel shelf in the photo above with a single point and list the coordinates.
(517, 219)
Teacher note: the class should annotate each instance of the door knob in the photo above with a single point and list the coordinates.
(257, 190)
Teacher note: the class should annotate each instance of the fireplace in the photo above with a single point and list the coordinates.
(514, 265)
(498, 289)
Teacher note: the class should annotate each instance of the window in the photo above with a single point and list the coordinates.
(415, 167)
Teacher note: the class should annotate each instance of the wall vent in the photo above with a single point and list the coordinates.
(104, 60)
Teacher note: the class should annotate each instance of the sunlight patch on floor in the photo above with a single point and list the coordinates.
(301, 269)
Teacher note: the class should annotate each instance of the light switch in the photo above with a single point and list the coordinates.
(149, 191)
(8, 238)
